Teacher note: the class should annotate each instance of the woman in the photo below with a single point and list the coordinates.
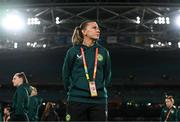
(50, 113)
(6, 116)
(34, 105)
(169, 111)
(86, 74)
(21, 98)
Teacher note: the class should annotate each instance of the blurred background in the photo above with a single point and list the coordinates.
(142, 36)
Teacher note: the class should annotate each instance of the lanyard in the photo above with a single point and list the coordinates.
(85, 65)
(167, 115)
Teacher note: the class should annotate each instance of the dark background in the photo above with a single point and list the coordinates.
(129, 66)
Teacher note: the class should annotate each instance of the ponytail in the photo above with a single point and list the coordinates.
(77, 37)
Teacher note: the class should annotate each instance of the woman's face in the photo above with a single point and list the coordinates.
(91, 31)
(169, 103)
(6, 111)
(17, 81)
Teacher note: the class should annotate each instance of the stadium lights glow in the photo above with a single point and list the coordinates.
(15, 45)
(155, 21)
(151, 45)
(167, 20)
(44, 103)
(28, 44)
(178, 44)
(169, 43)
(13, 22)
(33, 21)
(161, 45)
(34, 44)
(57, 20)
(44, 45)
(162, 20)
(178, 20)
(138, 21)
(148, 104)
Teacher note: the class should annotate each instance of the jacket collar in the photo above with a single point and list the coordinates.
(86, 47)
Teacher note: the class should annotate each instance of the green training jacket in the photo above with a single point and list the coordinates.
(172, 115)
(21, 100)
(35, 103)
(74, 78)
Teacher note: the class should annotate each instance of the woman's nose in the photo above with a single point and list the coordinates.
(98, 30)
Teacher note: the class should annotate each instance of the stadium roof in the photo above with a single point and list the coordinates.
(116, 19)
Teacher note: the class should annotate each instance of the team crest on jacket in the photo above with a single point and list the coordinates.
(100, 57)
(79, 56)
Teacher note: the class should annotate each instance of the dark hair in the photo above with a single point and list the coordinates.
(7, 107)
(49, 111)
(23, 76)
(77, 37)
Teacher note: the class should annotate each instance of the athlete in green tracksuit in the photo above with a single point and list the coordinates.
(80, 70)
(35, 103)
(20, 102)
(169, 112)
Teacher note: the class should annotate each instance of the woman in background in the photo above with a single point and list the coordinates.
(6, 116)
(20, 102)
(169, 111)
(34, 105)
(50, 113)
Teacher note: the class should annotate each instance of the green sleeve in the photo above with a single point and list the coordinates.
(176, 114)
(66, 71)
(22, 98)
(107, 73)
(162, 115)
